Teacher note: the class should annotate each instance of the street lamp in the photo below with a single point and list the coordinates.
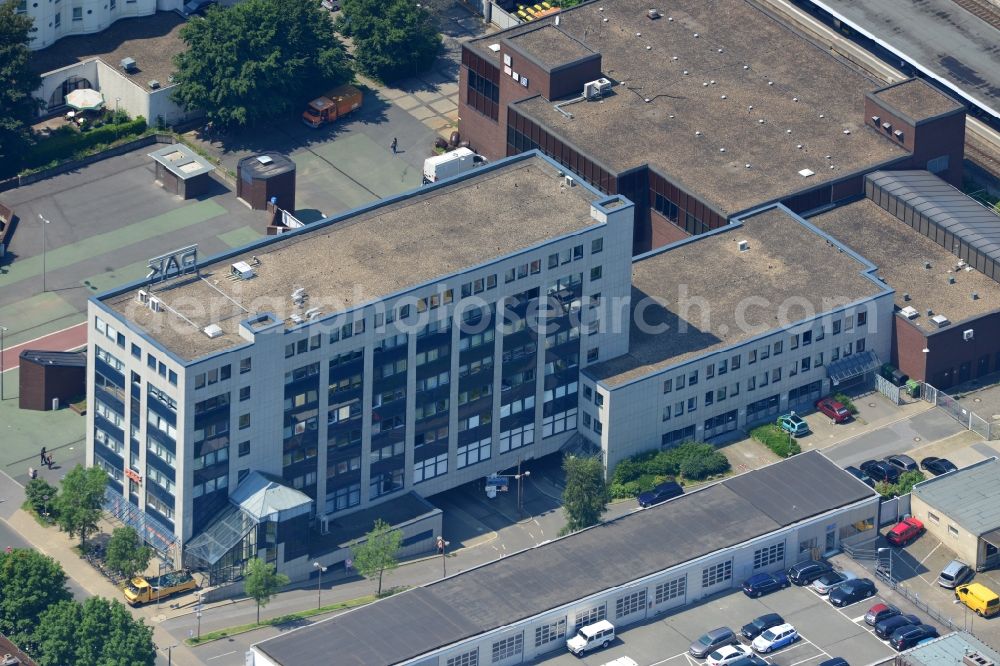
(159, 582)
(197, 609)
(44, 224)
(520, 494)
(117, 118)
(170, 653)
(441, 545)
(3, 329)
(319, 584)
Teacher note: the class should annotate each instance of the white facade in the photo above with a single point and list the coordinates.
(55, 19)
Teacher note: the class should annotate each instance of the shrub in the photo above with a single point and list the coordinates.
(624, 490)
(66, 142)
(885, 489)
(40, 495)
(698, 469)
(846, 402)
(693, 460)
(776, 439)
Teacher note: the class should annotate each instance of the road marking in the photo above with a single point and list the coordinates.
(535, 521)
(796, 663)
(680, 654)
(219, 656)
(814, 645)
(930, 553)
(11, 348)
(858, 619)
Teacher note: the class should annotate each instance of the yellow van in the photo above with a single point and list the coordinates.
(979, 598)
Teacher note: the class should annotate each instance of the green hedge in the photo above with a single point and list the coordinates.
(67, 142)
(846, 402)
(773, 437)
(694, 461)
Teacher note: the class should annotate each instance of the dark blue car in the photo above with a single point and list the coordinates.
(764, 583)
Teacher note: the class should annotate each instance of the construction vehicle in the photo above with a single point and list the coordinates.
(141, 590)
(332, 105)
(451, 164)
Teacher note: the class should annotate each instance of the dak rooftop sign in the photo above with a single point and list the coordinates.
(176, 263)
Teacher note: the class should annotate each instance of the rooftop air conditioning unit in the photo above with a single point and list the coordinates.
(596, 88)
(909, 312)
(743, 245)
(265, 159)
(296, 318)
(155, 304)
(653, 14)
(570, 182)
(976, 659)
(142, 296)
(242, 270)
(128, 64)
(212, 330)
(940, 320)
(967, 334)
(154, 84)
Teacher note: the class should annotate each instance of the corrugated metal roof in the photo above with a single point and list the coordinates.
(946, 206)
(969, 497)
(611, 554)
(949, 650)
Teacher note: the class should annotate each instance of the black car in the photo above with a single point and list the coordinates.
(852, 591)
(902, 462)
(885, 628)
(804, 573)
(661, 493)
(759, 625)
(764, 583)
(836, 661)
(880, 470)
(859, 475)
(937, 466)
(906, 637)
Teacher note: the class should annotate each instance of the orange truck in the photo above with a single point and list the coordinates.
(332, 105)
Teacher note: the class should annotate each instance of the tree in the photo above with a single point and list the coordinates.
(30, 582)
(907, 480)
(126, 553)
(392, 39)
(258, 60)
(585, 497)
(80, 501)
(100, 631)
(262, 583)
(17, 82)
(41, 496)
(377, 553)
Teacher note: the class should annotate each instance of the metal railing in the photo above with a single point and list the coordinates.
(954, 408)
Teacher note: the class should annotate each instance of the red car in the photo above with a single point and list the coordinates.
(836, 411)
(905, 532)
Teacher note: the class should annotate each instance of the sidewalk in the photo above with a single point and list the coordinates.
(57, 545)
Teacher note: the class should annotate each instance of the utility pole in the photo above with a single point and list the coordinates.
(3, 330)
(319, 584)
(198, 608)
(45, 223)
(441, 545)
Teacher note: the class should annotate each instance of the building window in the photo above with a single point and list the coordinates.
(768, 555)
(58, 19)
(246, 364)
(429, 468)
(596, 245)
(550, 632)
(244, 448)
(668, 385)
(595, 273)
(952, 530)
(718, 573)
(470, 658)
(630, 603)
(671, 589)
(933, 517)
(593, 354)
(591, 616)
(470, 454)
(507, 648)
(244, 393)
(78, 13)
(244, 421)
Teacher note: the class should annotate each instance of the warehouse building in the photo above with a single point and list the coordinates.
(697, 112)
(939, 250)
(522, 606)
(962, 510)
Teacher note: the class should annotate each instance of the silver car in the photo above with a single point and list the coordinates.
(954, 575)
(829, 582)
(712, 641)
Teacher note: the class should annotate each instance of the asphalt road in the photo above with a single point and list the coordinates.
(898, 437)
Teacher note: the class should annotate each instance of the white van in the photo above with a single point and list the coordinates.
(599, 634)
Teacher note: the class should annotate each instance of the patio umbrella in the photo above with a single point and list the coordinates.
(85, 99)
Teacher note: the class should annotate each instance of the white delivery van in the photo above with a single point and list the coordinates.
(451, 164)
(599, 634)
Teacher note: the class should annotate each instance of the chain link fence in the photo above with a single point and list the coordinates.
(966, 417)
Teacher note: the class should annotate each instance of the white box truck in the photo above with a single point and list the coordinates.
(451, 164)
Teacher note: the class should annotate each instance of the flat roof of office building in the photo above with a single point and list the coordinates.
(968, 496)
(711, 73)
(361, 257)
(901, 254)
(549, 46)
(939, 36)
(533, 581)
(916, 99)
(745, 293)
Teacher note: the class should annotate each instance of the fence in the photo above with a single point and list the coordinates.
(888, 389)
(894, 509)
(500, 18)
(954, 409)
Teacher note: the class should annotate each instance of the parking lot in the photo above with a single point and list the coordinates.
(825, 631)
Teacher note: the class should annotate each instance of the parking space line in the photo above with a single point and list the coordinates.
(814, 645)
(857, 619)
(679, 654)
(818, 656)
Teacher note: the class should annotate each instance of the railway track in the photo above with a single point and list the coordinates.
(982, 144)
(981, 9)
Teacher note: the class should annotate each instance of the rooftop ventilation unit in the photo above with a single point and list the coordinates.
(975, 295)
(154, 84)
(951, 279)
(805, 173)
(297, 318)
(155, 304)
(570, 182)
(906, 297)
(299, 294)
(976, 659)
(876, 120)
(212, 330)
(242, 270)
(653, 14)
(940, 321)
(310, 312)
(495, 48)
(898, 134)
(597, 88)
(909, 312)
(927, 265)
(887, 126)
(743, 245)
(142, 296)
(264, 159)
(128, 64)
(967, 334)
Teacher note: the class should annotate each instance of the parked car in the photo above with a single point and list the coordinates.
(836, 661)
(793, 423)
(886, 627)
(752, 660)
(880, 612)
(905, 531)
(661, 493)
(979, 598)
(764, 583)
(835, 410)
(954, 574)
(902, 462)
(727, 654)
(831, 580)
(775, 638)
(906, 637)
(712, 641)
(852, 592)
(805, 572)
(937, 466)
(758, 625)
(591, 636)
(860, 476)
(880, 470)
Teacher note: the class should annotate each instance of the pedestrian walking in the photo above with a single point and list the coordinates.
(48, 461)
(394, 144)
(41, 457)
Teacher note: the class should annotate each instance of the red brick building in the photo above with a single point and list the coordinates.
(697, 113)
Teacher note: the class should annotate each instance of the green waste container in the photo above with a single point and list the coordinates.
(913, 388)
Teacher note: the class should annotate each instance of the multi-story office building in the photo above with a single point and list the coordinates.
(697, 112)
(55, 19)
(421, 343)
